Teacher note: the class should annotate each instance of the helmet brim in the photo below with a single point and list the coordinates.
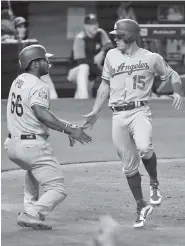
(113, 32)
(49, 55)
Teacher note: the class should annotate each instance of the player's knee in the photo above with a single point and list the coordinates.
(130, 173)
(131, 167)
(57, 185)
(146, 151)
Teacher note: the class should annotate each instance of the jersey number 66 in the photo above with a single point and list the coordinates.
(16, 105)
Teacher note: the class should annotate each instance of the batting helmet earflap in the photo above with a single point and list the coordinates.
(31, 53)
(128, 28)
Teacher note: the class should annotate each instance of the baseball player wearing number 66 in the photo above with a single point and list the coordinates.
(28, 119)
(127, 78)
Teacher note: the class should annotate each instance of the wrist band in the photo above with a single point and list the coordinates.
(65, 128)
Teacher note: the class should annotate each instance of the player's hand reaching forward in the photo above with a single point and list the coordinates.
(177, 101)
(91, 118)
(72, 141)
(78, 134)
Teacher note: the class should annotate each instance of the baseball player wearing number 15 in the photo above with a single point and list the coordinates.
(28, 119)
(127, 79)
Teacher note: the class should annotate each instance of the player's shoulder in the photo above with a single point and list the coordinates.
(112, 52)
(157, 56)
(31, 81)
(145, 51)
(39, 84)
(80, 35)
(101, 31)
(149, 53)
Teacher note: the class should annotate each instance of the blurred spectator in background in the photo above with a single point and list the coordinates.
(89, 49)
(21, 28)
(8, 31)
(183, 51)
(174, 14)
(21, 35)
(15, 29)
(126, 11)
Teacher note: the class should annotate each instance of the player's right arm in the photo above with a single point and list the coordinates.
(165, 72)
(102, 95)
(39, 102)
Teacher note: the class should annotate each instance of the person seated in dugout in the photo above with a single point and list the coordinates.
(88, 53)
(21, 28)
(8, 31)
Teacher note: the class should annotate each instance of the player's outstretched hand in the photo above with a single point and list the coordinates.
(91, 118)
(71, 141)
(78, 134)
(177, 101)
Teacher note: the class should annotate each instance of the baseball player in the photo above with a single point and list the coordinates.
(127, 78)
(28, 119)
(88, 53)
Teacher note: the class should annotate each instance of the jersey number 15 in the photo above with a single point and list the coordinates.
(139, 82)
(16, 105)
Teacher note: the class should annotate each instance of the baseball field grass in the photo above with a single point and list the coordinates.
(96, 185)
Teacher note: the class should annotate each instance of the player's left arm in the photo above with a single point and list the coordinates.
(166, 73)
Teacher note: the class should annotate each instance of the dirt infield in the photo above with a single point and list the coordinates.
(94, 190)
(168, 132)
(99, 188)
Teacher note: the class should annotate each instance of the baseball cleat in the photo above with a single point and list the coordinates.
(155, 196)
(142, 213)
(26, 220)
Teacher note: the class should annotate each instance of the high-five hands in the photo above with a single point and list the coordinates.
(91, 118)
(78, 134)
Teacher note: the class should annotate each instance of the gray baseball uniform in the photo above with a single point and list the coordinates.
(131, 78)
(27, 145)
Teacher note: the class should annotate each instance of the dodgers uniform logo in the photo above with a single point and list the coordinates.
(124, 68)
(43, 95)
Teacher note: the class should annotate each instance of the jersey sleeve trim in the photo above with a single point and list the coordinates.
(167, 76)
(103, 77)
(40, 104)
